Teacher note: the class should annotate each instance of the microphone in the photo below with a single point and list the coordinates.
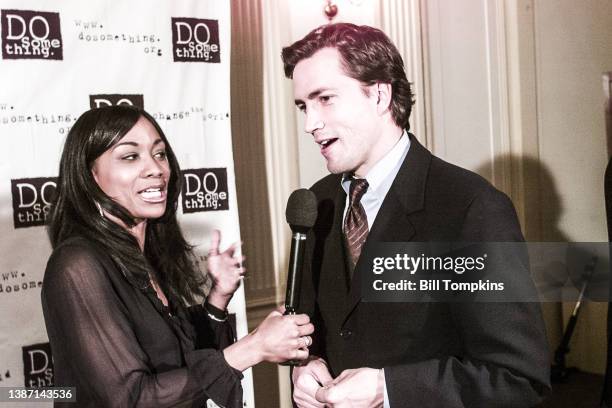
(301, 215)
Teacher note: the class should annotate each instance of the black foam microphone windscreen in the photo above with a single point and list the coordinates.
(301, 212)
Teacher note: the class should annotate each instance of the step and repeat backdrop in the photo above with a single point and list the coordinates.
(61, 58)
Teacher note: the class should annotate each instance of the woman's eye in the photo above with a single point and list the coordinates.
(130, 157)
(161, 155)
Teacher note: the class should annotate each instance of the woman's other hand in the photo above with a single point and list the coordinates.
(226, 271)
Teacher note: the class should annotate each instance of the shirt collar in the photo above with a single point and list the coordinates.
(380, 172)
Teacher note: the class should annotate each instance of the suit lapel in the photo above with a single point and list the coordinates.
(405, 197)
(334, 278)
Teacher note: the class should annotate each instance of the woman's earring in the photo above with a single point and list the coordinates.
(99, 207)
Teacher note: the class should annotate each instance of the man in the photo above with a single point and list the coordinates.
(350, 83)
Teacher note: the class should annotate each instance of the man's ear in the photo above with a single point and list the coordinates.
(383, 94)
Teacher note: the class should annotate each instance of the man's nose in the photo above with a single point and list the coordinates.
(313, 122)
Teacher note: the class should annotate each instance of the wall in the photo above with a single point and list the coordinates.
(517, 96)
(574, 49)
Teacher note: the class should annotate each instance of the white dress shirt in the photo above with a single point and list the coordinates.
(379, 178)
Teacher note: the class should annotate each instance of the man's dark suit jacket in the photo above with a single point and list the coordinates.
(433, 354)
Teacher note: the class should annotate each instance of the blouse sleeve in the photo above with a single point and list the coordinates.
(211, 332)
(91, 335)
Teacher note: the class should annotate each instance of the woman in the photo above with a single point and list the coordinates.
(121, 274)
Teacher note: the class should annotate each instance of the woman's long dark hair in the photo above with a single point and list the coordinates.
(166, 253)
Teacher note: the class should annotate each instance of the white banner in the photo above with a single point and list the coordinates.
(59, 59)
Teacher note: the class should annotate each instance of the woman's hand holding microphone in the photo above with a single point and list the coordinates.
(277, 339)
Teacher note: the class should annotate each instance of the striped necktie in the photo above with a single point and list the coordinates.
(356, 221)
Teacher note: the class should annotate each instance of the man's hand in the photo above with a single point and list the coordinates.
(307, 379)
(358, 388)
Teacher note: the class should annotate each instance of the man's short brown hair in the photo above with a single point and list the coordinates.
(367, 55)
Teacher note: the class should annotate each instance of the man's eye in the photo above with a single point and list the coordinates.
(325, 98)
(302, 108)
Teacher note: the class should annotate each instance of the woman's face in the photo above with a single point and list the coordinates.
(135, 172)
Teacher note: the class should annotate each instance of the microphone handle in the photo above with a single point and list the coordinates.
(292, 297)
